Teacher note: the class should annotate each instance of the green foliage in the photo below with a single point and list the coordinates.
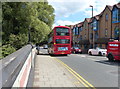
(17, 41)
(18, 18)
(6, 50)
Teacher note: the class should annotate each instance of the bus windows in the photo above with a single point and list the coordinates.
(62, 31)
(62, 41)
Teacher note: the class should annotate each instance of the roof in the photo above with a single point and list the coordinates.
(110, 7)
(117, 5)
(88, 19)
(71, 26)
(107, 6)
(80, 24)
(97, 17)
(61, 27)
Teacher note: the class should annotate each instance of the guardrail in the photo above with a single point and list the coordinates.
(16, 67)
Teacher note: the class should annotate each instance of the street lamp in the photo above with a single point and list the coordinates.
(92, 25)
(29, 39)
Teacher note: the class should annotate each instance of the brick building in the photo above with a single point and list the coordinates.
(84, 35)
(116, 22)
(105, 27)
(102, 27)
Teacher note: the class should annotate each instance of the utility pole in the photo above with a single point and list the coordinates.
(29, 39)
(92, 26)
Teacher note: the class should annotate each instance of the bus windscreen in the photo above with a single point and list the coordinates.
(62, 31)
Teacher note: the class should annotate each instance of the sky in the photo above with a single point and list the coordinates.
(71, 12)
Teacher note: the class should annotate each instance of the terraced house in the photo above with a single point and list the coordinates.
(98, 30)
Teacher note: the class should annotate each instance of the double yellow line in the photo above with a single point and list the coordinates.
(79, 77)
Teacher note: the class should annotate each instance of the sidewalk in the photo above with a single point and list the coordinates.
(50, 73)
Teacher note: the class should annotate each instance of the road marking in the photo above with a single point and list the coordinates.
(79, 77)
(81, 55)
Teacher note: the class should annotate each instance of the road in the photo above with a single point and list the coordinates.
(97, 70)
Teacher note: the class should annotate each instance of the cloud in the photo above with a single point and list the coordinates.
(64, 8)
(99, 6)
(63, 23)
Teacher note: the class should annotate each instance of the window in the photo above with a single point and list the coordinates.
(106, 32)
(91, 36)
(116, 33)
(76, 31)
(106, 17)
(85, 46)
(62, 31)
(95, 25)
(81, 37)
(115, 15)
(85, 36)
(62, 41)
(80, 29)
(96, 35)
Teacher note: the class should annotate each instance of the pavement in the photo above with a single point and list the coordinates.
(50, 73)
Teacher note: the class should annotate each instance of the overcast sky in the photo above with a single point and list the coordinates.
(70, 12)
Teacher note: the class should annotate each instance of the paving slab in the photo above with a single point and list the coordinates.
(50, 73)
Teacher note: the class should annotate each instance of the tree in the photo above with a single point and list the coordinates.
(21, 17)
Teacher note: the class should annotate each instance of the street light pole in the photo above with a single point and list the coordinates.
(92, 25)
(29, 40)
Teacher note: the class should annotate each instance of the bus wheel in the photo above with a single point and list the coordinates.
(110, 57)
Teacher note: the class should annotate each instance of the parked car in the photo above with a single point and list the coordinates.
(113, 51)
(76, 50)
(45, 46)
(97, 51)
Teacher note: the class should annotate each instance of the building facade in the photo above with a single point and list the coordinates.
(105, 27)
(98, 30)
(116, 22)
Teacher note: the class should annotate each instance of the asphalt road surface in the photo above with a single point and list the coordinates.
(97, 70)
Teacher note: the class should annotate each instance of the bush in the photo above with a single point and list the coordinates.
(18, 41)
(6, 50)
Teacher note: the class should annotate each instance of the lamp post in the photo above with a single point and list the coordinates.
(29, 39)
(92, 25)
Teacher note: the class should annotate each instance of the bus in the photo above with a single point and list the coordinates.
(59, 41)
(113, 50)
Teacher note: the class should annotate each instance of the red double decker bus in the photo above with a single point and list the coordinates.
(60, 41)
